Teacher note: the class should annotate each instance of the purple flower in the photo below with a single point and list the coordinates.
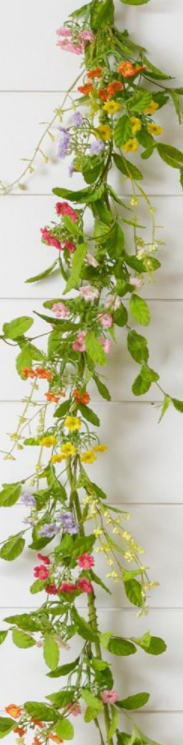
(68, 522)
(71, 169)
(96, 147)
(77, 119)
(28, 499)
(49, 530)
(63, 145)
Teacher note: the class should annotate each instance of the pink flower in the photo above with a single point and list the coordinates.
(86, 36)
(79, 344)
(84, 585)
(63, 208)
(86, 561)
(89, 293)
(136, 282)
(68, 47)
(91, 260)
(73, 709)
(43, 558)
(110, 697)
(60, 310)
(47, 238)
(67, 587)
(41, 572)
(107, 345)
(110, 301)
(106, 320)
(64, 31)
(51, 589)
(70, 246)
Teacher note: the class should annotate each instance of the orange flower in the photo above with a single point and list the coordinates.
(42, 373)
(103, 93)
(81, 399)
(27, 372)
(55, 738)
(37, 723)
(20, 731)
(52, 397)
(128, 70)
(13, 710)
(36, 741)
(113, 87)
(96, 73)
(86, 89)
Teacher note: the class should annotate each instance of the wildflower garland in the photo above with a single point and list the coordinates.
(112, 116)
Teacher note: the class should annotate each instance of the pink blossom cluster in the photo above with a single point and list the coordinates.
(42, 572)
(69, 45)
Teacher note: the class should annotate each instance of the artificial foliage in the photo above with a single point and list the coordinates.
(110, 115)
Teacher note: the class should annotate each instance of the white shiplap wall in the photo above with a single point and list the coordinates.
(145, 468)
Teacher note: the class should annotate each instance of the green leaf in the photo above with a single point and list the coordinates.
(177, 404)
(80, 11)
(134, 702)
(151, 644)
(17, 327)
(63, 409)
(122, 130)
(27, 355)
(51, 651)
(155, 70)
(102, 389)
(89, 415)
(95, 349)
(101, 14)
(71, 226)
(137, 346)
(98, 664)
(97, 491)
(120, 316)
(139, 310)
(12, 548)
(77, 262)
(82, 545)
(61, 699)
(64, 669)
(38, 585)
(139, 101)
(134, 2)
(133, 592)
(42, 275)
(119, 646)
(91, 700)
(24, 621)
(114, 722)
(42, 712)
(64, 729)
(171, 155)
(21, 640)
(143, 381)
(90, 714)
(176, 102)
(3, 635)
(6, 726)
(84, 628)
(83, 195)
(94, 577)
(165, 405)
(126, 167)
(10, 494)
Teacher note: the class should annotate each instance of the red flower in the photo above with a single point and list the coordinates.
(20, 731)
(42, 373)
(84, 585)
(43, 558)
(96, 73)
(127, 70)
(67, 587)
(41, 572)
(86, 561)
(70, 246)
(49, 240)
(103, 93)
(13, 710)
(86, 88)
(63, 208)
(114, 87)
(27, 372)
(37, 723)
(84, 398)
(51, 397)
(51, 589)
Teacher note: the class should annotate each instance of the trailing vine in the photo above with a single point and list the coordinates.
(112, 114)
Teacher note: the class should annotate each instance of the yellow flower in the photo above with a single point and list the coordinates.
(68, 449)
(136, 124)
(154, 129)
(151, 108)
(48, 441)
(98, 532)
(100, 448)
(111, 107)
(88, 457)
(57, 458)
(73, 423)
(104, 131)
(131, 145)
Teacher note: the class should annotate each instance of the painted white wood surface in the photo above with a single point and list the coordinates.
(145, 470)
